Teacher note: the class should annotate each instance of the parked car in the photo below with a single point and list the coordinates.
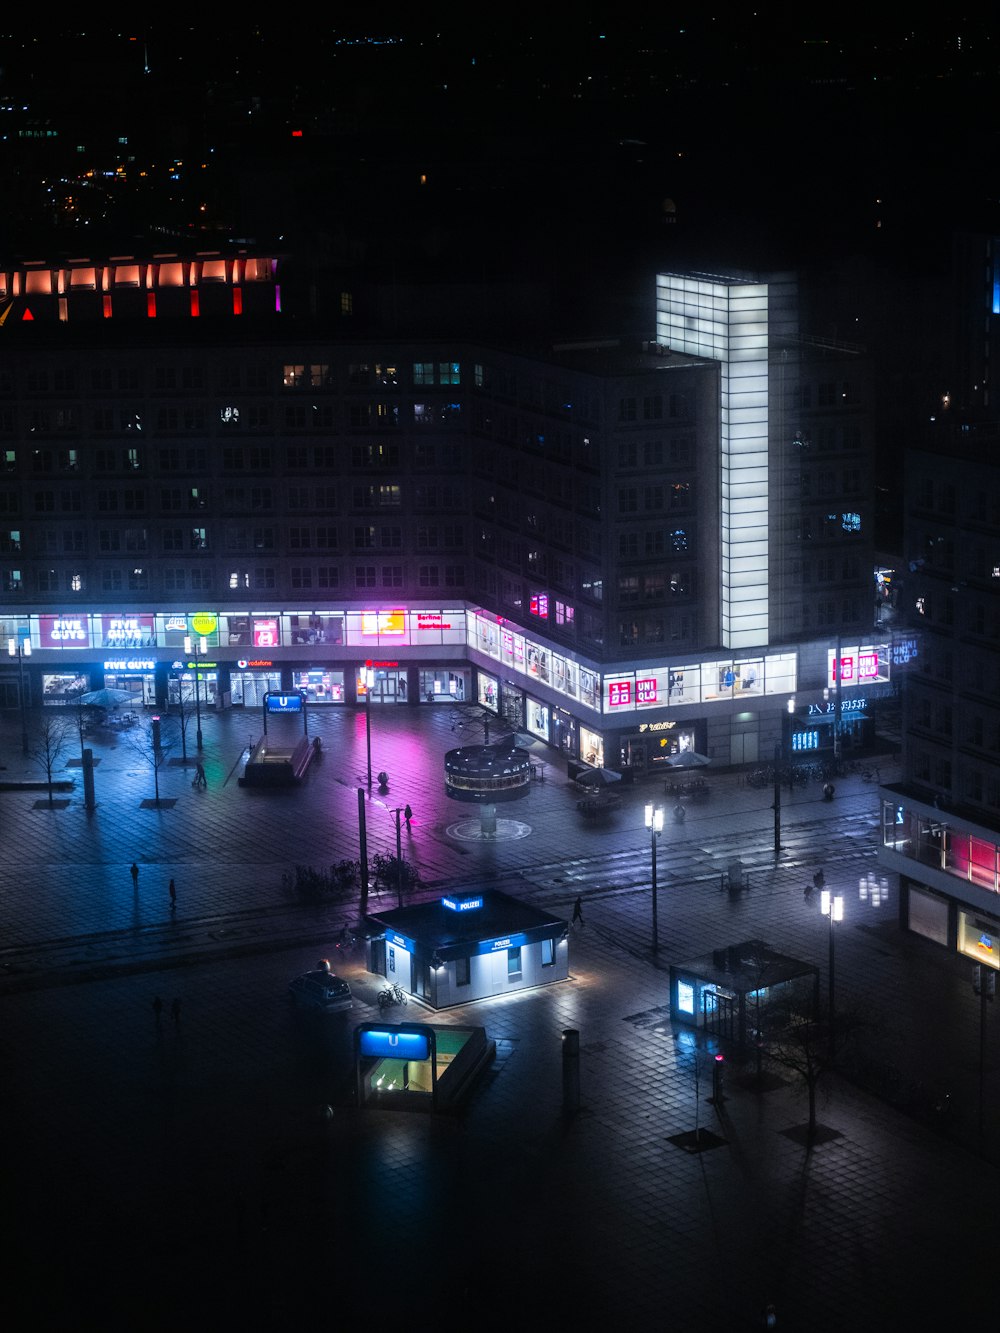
(321, 989)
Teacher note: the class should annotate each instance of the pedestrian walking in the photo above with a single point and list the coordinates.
(578, 912)
(173, 895)
(407, 815)
(175, 1010)
(157, 1009)
(199, 776)
(134, 872)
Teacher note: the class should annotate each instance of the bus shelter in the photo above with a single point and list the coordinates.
(729, 991)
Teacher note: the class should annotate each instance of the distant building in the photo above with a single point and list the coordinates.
(625, 549)
(941, 823)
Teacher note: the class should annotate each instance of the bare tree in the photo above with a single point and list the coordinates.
(183, 710)
(802, 1044)
(144, 742)
(51, 739)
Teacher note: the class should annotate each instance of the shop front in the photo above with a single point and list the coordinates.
(320, 685)
(648, 750)
(253, 677)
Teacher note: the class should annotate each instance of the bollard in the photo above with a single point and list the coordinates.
(571, 1070)
(718, 1096)
(88, 779)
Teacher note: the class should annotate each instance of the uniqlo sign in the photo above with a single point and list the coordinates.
(645, 691)
(619, 693)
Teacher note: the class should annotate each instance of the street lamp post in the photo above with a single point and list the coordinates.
(399, 857)
(654, 822)
(782, 754)
(369, 680)
(21, 648)
(984, 984)
(197, 647)
(832, 906)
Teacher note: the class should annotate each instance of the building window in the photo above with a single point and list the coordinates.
(513, 964)
(548, 953)
(463, 972)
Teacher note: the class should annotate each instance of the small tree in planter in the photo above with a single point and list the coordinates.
(52, 736)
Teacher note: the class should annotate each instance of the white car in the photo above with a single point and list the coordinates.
(321, 989)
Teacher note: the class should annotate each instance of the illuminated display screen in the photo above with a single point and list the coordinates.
(383, 622)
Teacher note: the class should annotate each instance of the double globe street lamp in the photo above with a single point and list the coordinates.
(21, 648)
(832, 906)
(197, 647)
(654, 822)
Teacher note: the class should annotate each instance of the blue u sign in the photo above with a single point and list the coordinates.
(391, 1044)
(284, 703)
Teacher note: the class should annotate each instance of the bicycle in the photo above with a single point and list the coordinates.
(392, 995)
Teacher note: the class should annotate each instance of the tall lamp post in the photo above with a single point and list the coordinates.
(782, 754)
(21, 648)
(654, 822)
(399, 857)
(368, 676)
(832, 906)
(197, 647)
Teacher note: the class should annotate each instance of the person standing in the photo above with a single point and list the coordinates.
(134, 872)
(173, 896)
(578, 912)
(407, 815)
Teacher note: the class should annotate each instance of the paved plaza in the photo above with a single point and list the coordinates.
(212, 1166)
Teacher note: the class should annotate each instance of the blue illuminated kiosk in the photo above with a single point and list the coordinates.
(467, 946)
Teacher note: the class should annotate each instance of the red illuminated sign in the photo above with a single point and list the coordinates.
(645, 691)
(63, 632)
(619, 692)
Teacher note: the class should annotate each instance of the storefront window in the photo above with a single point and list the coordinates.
(537, 660)
(590, 688)
(564, 731)
(979, 938)
(249, 687)
(538, 720)
(128, 631)
(60, 689)
(489, 688)
(315, 627)
(319, 686)
(443, 687)
(592, 747)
